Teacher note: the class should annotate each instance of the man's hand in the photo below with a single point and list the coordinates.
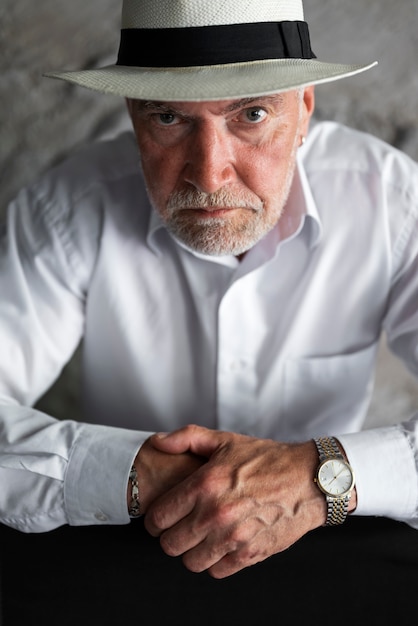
(251, 499)
(158, 472)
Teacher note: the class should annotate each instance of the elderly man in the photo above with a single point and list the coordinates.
(231, 272)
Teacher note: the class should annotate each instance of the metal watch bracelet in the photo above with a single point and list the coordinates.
(134, 507)
(337, 507)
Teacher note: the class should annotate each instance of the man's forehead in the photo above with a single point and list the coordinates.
(222, 106)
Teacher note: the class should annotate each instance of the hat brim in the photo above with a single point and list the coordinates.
(214, 82)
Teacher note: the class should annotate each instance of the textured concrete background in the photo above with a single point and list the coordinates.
(42, 120)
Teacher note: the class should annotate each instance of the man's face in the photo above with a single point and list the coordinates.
(219, 173)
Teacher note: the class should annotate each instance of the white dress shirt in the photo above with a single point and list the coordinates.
(280, 345)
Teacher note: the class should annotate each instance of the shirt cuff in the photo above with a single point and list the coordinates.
(385, 472)
(97, 475)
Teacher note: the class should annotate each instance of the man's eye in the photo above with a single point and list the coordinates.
(255, 115)
(167, 119)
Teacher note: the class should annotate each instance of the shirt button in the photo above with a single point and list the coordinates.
(101, 517)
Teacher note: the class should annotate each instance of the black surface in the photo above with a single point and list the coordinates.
(364, 572)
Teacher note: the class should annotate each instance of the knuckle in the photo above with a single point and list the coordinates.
(192, 429)
(250, 555)
(155, 519)
(214, 481)
(168, 545)
(206, 484)
(223, 517)
(244, 557)
(193, 564)
(227, 514)
(239, 537)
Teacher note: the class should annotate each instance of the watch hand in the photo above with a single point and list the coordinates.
(340, 472)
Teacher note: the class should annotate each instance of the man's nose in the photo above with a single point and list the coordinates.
(210, 163)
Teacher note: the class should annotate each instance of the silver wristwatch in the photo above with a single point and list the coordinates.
(335, 478)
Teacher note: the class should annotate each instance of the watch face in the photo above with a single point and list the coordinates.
(335, 477)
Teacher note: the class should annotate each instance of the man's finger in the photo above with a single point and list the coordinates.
(170, 508)
(197, 439)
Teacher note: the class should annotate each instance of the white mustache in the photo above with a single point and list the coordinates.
(223, 198)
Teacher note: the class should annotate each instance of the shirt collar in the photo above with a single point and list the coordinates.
(300, 214)
(301, 196)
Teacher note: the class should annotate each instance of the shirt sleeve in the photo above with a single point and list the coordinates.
(62, 472)
(386, 469)
(385, 460)
(51, 472)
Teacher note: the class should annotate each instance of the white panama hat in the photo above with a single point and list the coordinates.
(194, 50)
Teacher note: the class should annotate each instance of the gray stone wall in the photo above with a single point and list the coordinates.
(42, 120)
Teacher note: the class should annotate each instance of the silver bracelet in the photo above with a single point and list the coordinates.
(134, 505)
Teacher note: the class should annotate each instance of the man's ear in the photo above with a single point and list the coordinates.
(308, 107)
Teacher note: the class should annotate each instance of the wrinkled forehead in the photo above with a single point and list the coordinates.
(220, 107)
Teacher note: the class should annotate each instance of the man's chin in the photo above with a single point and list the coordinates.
(214, 246)
(218, 235)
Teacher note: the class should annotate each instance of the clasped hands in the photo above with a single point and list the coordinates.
(225, 501)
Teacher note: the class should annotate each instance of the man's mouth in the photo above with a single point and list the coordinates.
(214, 211)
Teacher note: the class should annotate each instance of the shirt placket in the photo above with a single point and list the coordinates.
(236, 359)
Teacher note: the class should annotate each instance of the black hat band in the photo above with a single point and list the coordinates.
(214, 45)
